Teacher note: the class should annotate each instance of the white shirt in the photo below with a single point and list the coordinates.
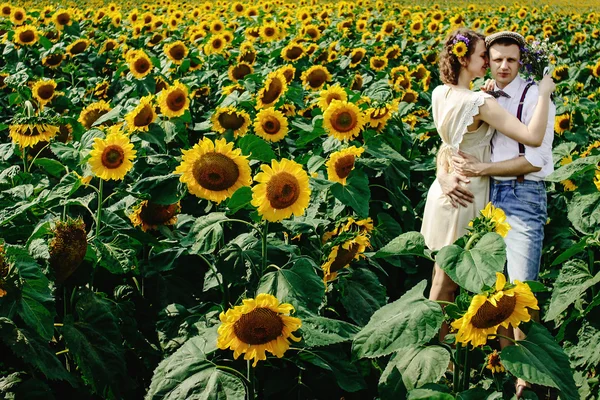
(505, 148)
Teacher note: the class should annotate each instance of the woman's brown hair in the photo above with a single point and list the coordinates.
(450, 63)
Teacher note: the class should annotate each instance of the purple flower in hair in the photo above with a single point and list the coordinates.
(461, 38)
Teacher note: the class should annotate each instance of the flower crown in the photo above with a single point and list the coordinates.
(460, 45)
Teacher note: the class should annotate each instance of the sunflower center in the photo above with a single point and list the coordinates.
(157, 214)
(273, 92)
(344, 165)
(240, 71)
(141, 65)
(288, 74)
(357, 57)
(18, 16)
(79, 47)
(283, 190)
(294, 52)
(217, 44)
(408, 97)
(259, 326)
(215, 171)
(156, 39)
(269, 32)
(317, 78)
(271, 126)
(176, 100)
(144, 117)
(45, 92)
(344, 121)
(27, 36)
(231, 120)
(378, 63)
(344, 257)
(63, 18)
(178, 52)
(488, 316)
(564, 124)
(6, 10)
(110, 45)
(112, 157)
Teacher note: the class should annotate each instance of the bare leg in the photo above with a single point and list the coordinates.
(442, 288)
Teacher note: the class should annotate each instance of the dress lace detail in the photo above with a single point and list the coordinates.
(466, 119)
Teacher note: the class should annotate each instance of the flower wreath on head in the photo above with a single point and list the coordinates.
(460, 45)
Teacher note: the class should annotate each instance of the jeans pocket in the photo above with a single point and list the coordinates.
(531, 196)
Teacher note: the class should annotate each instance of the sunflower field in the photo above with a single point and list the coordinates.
(221, 200)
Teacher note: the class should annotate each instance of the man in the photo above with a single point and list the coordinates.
(517, 179)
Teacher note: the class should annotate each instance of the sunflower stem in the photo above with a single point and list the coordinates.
(99, 212)
(457, 368)
(264, 248)
(472, 240)
(247, 223)
(466, 370)
(24, 151)
(495, 335)
(591, 263)
(250, 377)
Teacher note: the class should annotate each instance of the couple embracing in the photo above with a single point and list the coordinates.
(497, 146)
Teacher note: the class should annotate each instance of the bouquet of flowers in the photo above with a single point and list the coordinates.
(535, 59)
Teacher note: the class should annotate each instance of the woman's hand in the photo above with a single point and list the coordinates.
(466, 165)
(489, 85)
(452, 188)
(546, 86)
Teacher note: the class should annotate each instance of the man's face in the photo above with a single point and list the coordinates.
(504, 63)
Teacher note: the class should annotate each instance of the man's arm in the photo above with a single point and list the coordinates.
(467, 165)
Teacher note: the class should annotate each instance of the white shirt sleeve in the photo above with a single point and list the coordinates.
(539, 156)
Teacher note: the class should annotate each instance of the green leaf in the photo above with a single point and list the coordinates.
(474, 268)
(112, 114)
(584, 213)
(586, 353)
(428, 394)
(320, 331)
(33, 351)
(355, 193)
(478, 393)
(362, 295)
(117, 256)
(299, 285)
(573, 281)
(577, 167)
(391, 386)
(256, 148)
(334, 359)
(419, 365)
(240, 199)
(64, 189)
(53, 167)
(407, 244)
(95, 342)
(165, 190)
(571, 251)
(205, 234)
(410, 320)
(539, 359)
(186, 374)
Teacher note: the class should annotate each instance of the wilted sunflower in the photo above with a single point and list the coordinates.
(140, 118)
(275, 86)
(315, 77)
(174, 100)
(259, 325)
(282, 190)
(562, 123)
(111, 158)
(53, 60)
(378, 63)
(271, 125)
(494, 364)
(343, 120)
(176, 51)
(26, 35)
(230, 118)
(341, 162)
(101, 89)
(239, 71)
(342, 255)
(27, 135)
(140, 64)
(335, 92)
(77, 47)
(91, 113)
(149, 216)
(44, 91)
(506, 305)
(214, 171)
(292, 52)
(67, 247)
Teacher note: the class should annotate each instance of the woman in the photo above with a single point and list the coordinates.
(466, 120)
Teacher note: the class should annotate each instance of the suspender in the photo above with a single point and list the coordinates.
(521, 178)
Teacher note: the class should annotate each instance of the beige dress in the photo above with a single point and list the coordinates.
(453, 111)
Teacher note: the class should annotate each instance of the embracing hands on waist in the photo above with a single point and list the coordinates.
(466, 165)
(453, 189)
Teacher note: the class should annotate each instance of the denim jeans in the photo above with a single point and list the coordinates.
(526, 211)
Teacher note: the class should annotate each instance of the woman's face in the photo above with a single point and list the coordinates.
(478, 61)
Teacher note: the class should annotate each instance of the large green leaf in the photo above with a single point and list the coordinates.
(321, 331)
(33, 351)
(419, 365)
(570, 170)
(586, 353)
(391, 386)
(355, 193)
(256, 148)
(117, 256)
(166, 189)
(573, 281)
(299, 285)
(407, 244)
(95, 342)
(205, 234)
(584, 213)
(362, 295)
(186, 374)
(474, 268)
(334, 359)
(410, 320)
(428, 394)
(539, 359)
(241, 198)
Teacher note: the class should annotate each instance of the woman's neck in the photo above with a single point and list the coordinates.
(464, 79)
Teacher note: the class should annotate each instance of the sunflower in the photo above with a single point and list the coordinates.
(18, 16)
(504, 306)
(269, 32)
(26, 35)
(315, 77)
(149, 216)
(27, 135)
(111, 158)
(357, 82)
(62, 18)
(288, 72)
(5, 10)
(416, 27)
(108, 45)
(335, 92)
(409, 96)
(379, 116)
(459, 49)
(53, 60)
(67, 248)
(560, 73)
(341, 163)
(493, 363)
(77, 47)
(91, 113)
(230, 118)
(275, 86)
(3, 76)
(174, 100)
(271, 125)
(44, 91)
(282, 190)
(497, 217)
(356, 56)
(176, 51)
(239, 71)
(342, 255)
(217, 26)
(568, 185)
(292, 52)
(343, 120)
(140, 118)
(139, 63)
(378, 63)
(257, 326)
(215, 45)
(597, 180)
(562, 123)
(214, 171)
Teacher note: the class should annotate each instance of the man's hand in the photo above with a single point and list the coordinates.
(466, 165)
(451, 187)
